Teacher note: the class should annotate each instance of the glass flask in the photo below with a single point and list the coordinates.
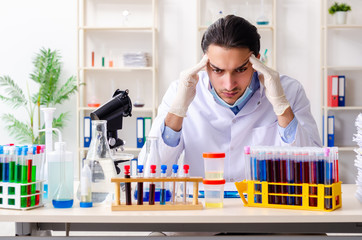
(101, 164)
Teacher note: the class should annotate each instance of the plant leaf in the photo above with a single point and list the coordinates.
(69, 87)
(17, 129)
(15, 96)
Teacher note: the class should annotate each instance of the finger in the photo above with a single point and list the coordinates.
(199, 66)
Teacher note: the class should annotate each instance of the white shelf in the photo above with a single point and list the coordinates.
(134, 109)
(348, 108)
(111, 69)
(126, 149)
(125, 29)
(259, 27)
(345, 68)
(346, 149)
(344, 26)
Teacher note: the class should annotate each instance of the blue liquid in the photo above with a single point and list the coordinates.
(6, 172)
(62, 203)
(45, 191)
(163, 197)
(262, 22)
(146, 195)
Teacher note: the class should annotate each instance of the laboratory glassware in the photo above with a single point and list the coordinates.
(214, 165)
(101, 164)
(262, 19)
(85, 187)
(163, 187)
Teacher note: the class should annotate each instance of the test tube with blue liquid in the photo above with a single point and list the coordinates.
(291, 176)
(163, 188)
(18, 164)
(6, 158)
(1, 162)
(174, 175)
(12, 167)
(328, 178)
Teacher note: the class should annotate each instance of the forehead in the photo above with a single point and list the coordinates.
(227, 58)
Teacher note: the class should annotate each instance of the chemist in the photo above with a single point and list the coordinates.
(230, 100)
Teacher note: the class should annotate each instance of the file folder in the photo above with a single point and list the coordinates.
(147, 127)
(330, 131)
(140, 132)
(341, 90)
(332, 91)
(87, 131)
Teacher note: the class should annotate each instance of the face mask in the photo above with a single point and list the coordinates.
(242, 99)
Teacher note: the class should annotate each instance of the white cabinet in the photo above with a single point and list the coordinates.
(107, 30)
(341, 55)
(208, 11)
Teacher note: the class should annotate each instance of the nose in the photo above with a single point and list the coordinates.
(229, 82)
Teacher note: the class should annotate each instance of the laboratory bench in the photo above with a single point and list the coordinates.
(233, 218)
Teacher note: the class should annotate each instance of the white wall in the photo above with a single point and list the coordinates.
(28, 25)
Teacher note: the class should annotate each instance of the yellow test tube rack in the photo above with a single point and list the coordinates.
(194, 205)
(335, 198)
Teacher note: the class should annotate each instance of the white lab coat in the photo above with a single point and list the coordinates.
(210, 127)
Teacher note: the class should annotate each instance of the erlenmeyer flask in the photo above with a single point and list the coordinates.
(101, 164)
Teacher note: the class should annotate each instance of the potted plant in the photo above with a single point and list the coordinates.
(46, 74)
(340, 11)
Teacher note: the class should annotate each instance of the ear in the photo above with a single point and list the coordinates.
(258, 57)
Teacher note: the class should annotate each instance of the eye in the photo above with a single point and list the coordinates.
(216, 70)
(240, 70)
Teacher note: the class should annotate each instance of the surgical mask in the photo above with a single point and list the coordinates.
(253, 86)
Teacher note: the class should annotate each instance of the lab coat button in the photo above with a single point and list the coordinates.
(234, 120)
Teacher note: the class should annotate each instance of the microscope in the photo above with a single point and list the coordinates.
(113, 111)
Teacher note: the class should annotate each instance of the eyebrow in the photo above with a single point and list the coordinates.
(212, 65)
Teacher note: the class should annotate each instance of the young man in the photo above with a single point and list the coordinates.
(236, 102)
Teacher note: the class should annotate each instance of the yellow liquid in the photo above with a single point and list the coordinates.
(214, 205)
(214, 175)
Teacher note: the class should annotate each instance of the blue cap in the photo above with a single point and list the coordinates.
(25, 151)
(174, 168)
(140, 168)
(1, 149)
(86, 204)
(19, 150)
(163, 168)
(34, 150)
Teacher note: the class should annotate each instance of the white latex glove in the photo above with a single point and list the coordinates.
(186, 89)
(273, 88)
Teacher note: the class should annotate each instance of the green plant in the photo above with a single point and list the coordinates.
(47, 70)
(339, 7)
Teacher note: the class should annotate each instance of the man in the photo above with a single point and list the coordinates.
(236, 102)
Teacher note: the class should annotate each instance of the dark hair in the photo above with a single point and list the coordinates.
(232, 32)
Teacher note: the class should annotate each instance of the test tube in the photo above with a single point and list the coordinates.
(140, 185)
(186, 175)
(24, 172)
(30, 166)
(269, 174)
(93, 59)
(276, 174)
(12, 167)
(248, 163)
(1, 162)
(328, 178)
(283, 174)
(312, 177)
(174, 175)
(152, 187)
(334, 150)
(298, 175)
(86, 187)
(18, 164)
(163, 188)
(6, 164)
(128, 185)
(291, 176)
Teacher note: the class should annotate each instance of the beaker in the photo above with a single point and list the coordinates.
(101, 164)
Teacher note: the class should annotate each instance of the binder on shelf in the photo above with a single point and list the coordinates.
(87, 124)
(147, 127)
(332, 91)
(330, 127)
(341, 90)
(140, 132)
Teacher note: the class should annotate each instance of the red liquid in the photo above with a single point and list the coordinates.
(152, 194)
(140, 193)
(283, 179)
(37, 198)
(30, 164)
(298, 179)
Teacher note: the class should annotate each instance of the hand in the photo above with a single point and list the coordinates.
(186, 89)
(273, 88)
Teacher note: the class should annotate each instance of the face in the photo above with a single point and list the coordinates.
(230, 71)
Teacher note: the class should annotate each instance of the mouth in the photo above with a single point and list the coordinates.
(229, 94)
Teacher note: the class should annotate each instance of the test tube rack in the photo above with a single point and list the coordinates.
(11, 197)
(334, 195)
(194, 205)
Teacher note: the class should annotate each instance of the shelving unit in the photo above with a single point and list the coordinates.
(206, 12)
(110, 29)
(352, 71)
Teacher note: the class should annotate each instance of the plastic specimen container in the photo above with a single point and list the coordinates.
(214, 165)
(214, 193)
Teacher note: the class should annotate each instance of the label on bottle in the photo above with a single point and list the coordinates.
(84, 186)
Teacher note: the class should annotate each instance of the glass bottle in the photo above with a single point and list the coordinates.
(101, 164)
(151, 158)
